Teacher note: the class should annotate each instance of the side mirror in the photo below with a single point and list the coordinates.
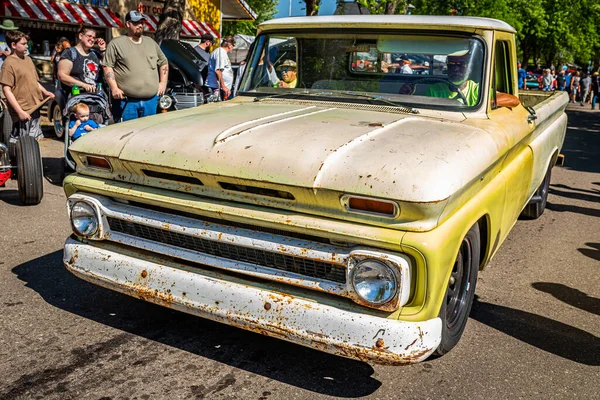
(506, 100)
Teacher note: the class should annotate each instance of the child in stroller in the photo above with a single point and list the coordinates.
(82, 123)
(98, 112)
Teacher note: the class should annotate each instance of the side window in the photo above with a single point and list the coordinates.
(503, 71)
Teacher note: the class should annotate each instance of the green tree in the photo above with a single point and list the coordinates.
(382, 6)
(264, 9)
(312, 7)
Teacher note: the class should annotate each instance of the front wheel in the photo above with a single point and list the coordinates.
(58, 121)
(460, 291)
(29, 171)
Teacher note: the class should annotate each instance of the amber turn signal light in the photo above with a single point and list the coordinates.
(98, 162)
(370, 206)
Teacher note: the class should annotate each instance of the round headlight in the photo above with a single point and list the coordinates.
(84, 219)
(374, 282)
(165, 102)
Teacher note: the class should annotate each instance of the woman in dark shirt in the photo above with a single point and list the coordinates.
(80, 65)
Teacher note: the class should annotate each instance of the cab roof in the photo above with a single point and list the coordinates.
(427, 22)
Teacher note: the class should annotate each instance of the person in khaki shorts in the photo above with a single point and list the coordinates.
(20, 84)
(136, 70)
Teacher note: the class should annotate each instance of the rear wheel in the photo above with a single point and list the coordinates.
(58, 121)
(536, 206)
(460, 291)
(29, 171)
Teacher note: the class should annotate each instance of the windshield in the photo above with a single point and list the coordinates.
(406, 69)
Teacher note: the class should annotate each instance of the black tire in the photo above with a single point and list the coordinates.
(6, 132)
(460, 292)
(536, 206)
(58, 121)
(30, 173)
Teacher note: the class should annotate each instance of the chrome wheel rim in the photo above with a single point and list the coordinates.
(459, 284)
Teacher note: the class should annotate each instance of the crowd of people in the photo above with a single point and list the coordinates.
(131, 70)
(582, 87)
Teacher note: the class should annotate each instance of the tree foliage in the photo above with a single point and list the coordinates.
(548, 31)
(265, 9)
(381, 6)
(169, 24)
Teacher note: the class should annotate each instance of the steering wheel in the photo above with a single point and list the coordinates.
(451, 85)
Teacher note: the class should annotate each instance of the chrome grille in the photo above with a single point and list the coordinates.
(220, 221)
(298, 265)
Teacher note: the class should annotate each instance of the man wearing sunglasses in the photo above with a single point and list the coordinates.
(136, 70)
(459, 68)
(288, 74)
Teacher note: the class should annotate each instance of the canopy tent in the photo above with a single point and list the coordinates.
(236, 10)
(189, 27)
(66, 13)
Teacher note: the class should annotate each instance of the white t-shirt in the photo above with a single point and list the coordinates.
(219, 59)
(406, 69)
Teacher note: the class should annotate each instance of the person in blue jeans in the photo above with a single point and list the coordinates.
(595, 88)
(522, 75)
(82, 123)
(136, 71)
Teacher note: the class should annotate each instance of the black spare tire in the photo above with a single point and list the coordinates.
(29, 171)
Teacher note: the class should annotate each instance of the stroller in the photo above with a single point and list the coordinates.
(99, 112)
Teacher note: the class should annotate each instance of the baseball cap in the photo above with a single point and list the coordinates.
(134, 16)
(287, 63)
(206, 37)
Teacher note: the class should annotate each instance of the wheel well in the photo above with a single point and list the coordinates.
(484, 240)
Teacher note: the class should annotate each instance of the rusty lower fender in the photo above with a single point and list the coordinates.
(323, 327)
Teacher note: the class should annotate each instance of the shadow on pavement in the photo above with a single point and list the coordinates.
(571, 296)
(582, 142)
(575, 194)
(593, 191)
(54, 170)
(272, 358)
(594, 252)
(544, 333)
(592, 212)
(10, 196)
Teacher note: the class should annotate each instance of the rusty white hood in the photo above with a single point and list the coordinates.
(398, 156)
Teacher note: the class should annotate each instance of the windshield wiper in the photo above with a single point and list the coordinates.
(381, 99)
(270, 96)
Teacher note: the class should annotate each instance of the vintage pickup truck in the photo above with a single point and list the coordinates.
(337, 202)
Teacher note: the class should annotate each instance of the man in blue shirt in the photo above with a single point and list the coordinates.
(522, 74)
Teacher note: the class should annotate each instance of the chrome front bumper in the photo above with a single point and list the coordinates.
(222, 298)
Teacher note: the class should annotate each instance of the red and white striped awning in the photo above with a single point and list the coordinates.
(66, 13)
(189, 27)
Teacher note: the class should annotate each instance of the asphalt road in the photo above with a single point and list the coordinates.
(533, 333)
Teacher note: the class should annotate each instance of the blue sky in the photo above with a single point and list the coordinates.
(298, 8)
